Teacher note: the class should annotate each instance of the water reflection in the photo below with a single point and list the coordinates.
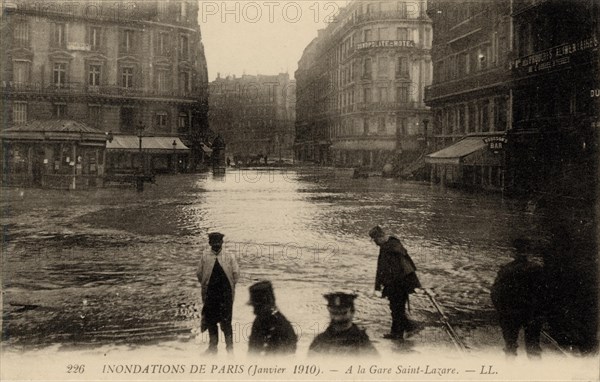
(105, 265)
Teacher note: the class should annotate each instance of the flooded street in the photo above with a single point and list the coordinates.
(113, 266)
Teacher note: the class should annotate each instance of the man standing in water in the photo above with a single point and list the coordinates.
(218, 273)
(342, 336)
(396, 275)
(519, 296)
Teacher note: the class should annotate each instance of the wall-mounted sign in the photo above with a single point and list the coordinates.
(495, 143)
(553, 57)
(386, 44)
(78, 46)
(595, 93)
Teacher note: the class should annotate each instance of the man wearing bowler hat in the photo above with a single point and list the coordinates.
(342, 336)
(218, 273)
(272, 333)
(396, 275)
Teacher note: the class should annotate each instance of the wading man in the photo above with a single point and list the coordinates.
(218, 273)
(396, 275)
(519, 296)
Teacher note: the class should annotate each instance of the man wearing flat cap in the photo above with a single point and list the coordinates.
(272, 333)
(397, 277)
(342, 336)
(218, 273)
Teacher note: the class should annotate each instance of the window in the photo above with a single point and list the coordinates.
(95, 114)
(184, 82)
(402, 34)
(500, 113)
(382, 34)
(161, 120)
(21, 72)
(382, 67)
(59, 37)
(381, 125)
(402, 67)
(182, 122)
(383, 94)
(472, 125)
(94, 75)
(485, 120)
(21, 34)
(162, 80)
(162, 44)
(183, 46)
(183, 10)
(60, 110)
(461, 119)
(126, 44)
(371, 8)
(127, 77)
(127, 117)
(19, 113)
(367, 35)
(402, 9)
(401, 124)
(367, 95)
(366, 126)
(162, 8)
(402, 93)
(463, 64)
(94, 38)
(367, 68)
(60, 74)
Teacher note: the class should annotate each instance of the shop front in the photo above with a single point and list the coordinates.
(475, 162)
(129, 154)
(61, 154)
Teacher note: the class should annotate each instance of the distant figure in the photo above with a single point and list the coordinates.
(228, 162)
(272, 333)
(218, 273)
(396, 274)
(342, 336)
(519, 295)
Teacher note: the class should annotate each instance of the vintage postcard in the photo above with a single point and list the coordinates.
(299, 190)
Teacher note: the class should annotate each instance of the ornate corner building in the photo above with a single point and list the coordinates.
(360, 86)
(115, 66)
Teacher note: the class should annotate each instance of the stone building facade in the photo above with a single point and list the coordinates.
(470, 95)
(254, 115)
(360, 86)
(117, 67)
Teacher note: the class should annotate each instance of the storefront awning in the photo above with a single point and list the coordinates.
(57, 130)
(149, 144)
(453, 154)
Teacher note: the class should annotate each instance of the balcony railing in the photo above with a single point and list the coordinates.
(498, 75)
(385, 106)
(75, 88)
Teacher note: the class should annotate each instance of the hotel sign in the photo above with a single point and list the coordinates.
(386, 44)
(553, 57)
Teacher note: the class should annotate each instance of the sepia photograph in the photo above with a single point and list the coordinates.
(313, 190)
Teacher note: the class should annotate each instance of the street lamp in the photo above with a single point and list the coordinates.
(174, 156)
(140, 178)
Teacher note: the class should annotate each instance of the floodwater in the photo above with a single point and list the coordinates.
(116, 266)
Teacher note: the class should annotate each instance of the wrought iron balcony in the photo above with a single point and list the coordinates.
(76, 88)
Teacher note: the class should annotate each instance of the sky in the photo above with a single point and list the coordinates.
(260, 37)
